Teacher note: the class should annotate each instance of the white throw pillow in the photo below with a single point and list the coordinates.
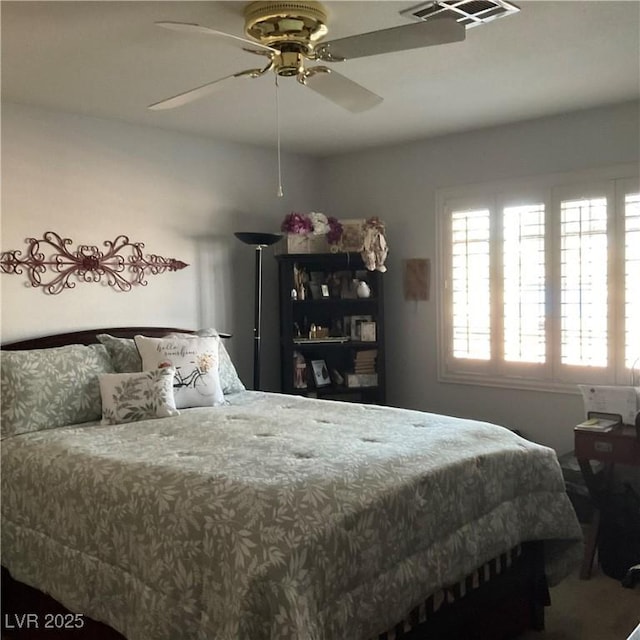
(229, 379)
(129, 397)
(195, 360)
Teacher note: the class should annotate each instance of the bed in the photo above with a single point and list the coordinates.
(279, 517)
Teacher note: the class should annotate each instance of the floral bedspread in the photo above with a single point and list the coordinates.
(274, 517)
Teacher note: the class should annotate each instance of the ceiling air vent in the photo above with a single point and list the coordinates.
(470, 13)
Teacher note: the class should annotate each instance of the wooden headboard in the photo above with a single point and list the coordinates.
(89, 337)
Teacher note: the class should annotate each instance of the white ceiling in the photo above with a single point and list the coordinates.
(108, 59)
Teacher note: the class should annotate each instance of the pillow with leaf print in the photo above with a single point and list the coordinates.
(195, 360)
(123, 353)
(47, 388)
(130, 397)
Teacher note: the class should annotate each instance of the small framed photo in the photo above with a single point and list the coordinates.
(368, 331)
(320, 373)
(356, 322)
(352, 234)
(324, 289)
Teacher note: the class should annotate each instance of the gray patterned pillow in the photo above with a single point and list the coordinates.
(229, 378)
(47, 388)
(123, 352)
(129, 397)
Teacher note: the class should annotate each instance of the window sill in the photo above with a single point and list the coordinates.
(502, 382)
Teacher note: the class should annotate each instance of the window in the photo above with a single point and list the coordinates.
(541, 281)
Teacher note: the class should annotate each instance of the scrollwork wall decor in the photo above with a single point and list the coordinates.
(121, 265)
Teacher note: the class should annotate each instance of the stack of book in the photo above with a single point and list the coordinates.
(364, 369)
(365, 361)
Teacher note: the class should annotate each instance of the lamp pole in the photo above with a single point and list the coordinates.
(259, 241)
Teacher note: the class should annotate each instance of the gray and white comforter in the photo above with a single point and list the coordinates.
(275, 517)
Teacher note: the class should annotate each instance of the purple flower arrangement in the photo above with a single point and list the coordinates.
(297, 223)
(335, 230)
(314, 223)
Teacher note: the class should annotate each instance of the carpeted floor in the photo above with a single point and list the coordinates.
(595, 609)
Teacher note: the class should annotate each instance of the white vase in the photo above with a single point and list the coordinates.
(363, 290)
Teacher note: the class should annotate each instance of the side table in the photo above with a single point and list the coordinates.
(619, 446)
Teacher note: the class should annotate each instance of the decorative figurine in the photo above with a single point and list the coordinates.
(299, 371)
(375, 249)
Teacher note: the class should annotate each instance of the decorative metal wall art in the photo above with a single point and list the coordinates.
(87, 263)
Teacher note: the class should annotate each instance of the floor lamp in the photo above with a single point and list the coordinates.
(259, 241)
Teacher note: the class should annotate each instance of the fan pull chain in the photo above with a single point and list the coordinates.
(280, 193)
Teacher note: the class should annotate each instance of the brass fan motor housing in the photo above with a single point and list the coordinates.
(276, 24)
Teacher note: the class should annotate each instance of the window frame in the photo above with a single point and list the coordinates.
(550, 190)
(625, 186)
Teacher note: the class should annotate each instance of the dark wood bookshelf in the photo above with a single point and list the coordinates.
(333, 314)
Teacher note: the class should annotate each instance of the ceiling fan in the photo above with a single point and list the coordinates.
(290, 34)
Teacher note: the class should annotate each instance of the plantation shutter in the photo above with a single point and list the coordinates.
(523, 255)
(583, 282)
(471, 284)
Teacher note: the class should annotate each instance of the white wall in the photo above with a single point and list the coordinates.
(90, 180)
(398, 184)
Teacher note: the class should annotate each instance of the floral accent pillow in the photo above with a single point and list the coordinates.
(130, 397)
(47, 388)
(195, 360)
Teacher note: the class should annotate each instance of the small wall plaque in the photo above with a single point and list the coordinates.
(417, 272)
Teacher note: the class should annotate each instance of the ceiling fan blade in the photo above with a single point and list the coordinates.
(402, 38)
(190, 27)
(199, 92)
(339, 89)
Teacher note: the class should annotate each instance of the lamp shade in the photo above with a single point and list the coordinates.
(258, 239)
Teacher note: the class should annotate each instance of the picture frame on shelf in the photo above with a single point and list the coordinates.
(352, 234)
(320, 373)
(368, 331)
(355, 325)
